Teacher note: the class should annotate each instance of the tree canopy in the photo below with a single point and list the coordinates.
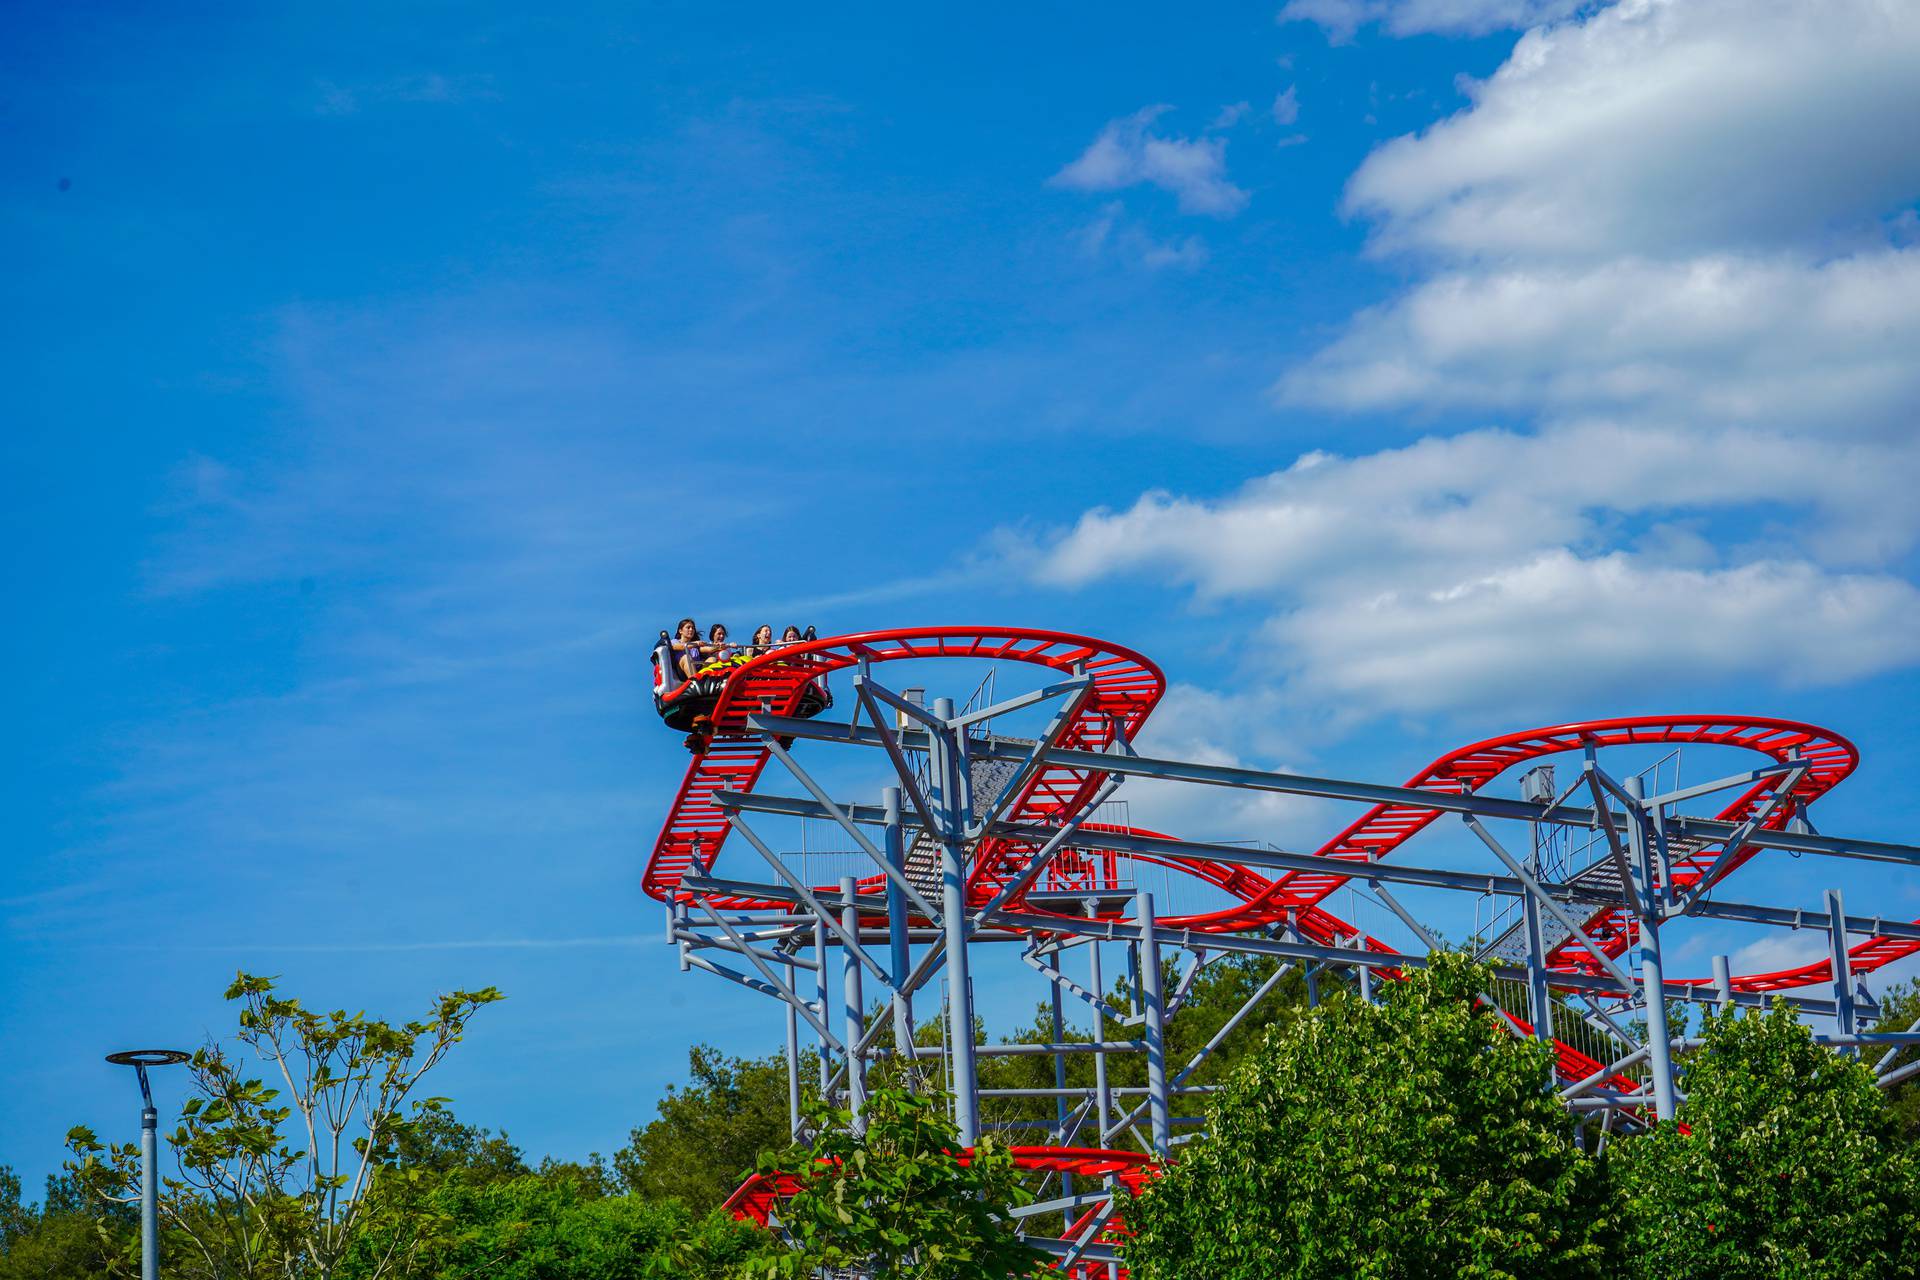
(1790, 1165)
(897, 1200)
(1415, 1137)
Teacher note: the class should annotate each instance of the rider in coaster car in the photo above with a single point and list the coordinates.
(686, 648)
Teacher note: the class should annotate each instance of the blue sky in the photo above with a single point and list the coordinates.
(378, 381)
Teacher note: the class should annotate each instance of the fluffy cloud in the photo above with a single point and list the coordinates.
(1502, 567)
(1659, 127)
(1189, 724)
(1112, 233)
(1342, 18)
(1475, 504)
(1731, 339)
(1560, 627)
(1128, 153)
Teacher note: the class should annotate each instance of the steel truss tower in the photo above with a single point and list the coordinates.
(985, 838)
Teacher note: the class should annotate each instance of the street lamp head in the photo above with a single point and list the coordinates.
(148, 1057)
(141, 1059)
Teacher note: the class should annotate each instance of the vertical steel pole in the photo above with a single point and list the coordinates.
(1058, 1026)
(820, 998)
(948, 810)
(1539, 999)
(1103, 1095)
(1652, 983)
(853, 1013)
(793, 1057)
(1844, 1013)
(898, 925)
(149, 1184)
(1723, 981)
(1154, 1005)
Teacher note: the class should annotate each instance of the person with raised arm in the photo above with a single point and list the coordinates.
(686, 648)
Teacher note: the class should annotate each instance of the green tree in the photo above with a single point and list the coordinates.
(1412, 1138)
(1900, 1011)
(58, 1239)
(436, 1140)
(1788, 1167)
(710, 1131)
(278, 1179)
(897, 1201)
(553, 1225)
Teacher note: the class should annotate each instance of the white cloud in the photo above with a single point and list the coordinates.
(1662, 127)
(1502, 568)
(1191, 724)
(1185, 254)
(1342, 18)
(1128, 153)
(1230, 115)
(1483, 501)
(1742, 339)
(1111, 233)
(1560, 627)
(1286, 106)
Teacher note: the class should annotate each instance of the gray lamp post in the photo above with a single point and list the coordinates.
(140, 1060)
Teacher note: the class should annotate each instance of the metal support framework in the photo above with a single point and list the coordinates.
(992, 829)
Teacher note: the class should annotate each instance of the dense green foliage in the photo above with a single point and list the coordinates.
(710, 1132)
(1900, 1011)
(61, 1238)
(1790, 1166)
(557, 1224)
(896, 1200)
(1411, 1138)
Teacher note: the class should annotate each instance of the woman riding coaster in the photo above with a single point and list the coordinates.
(685, 646)
(716, 649)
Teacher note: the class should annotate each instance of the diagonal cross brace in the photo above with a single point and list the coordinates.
(848, 825)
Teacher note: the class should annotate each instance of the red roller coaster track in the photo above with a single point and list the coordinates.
(1125, 688)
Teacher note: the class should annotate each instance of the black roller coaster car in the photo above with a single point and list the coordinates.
(686, 704)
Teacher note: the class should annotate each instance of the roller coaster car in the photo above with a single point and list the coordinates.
(686, 704)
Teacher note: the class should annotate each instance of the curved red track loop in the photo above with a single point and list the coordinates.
(1126, 686)
(1829, 757)
(757, 1196)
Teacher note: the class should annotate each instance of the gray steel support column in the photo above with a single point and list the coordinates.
(1723, 980)
(1659, 1038)
(793, 1060)
(820, 993)
(1060, 1082)
(853, 1008)
(1539, 999)
(149, 1188)
(949, 806)
(1103, 1095)
(898, 922)
(1844, 1013)
(1153, 1004)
